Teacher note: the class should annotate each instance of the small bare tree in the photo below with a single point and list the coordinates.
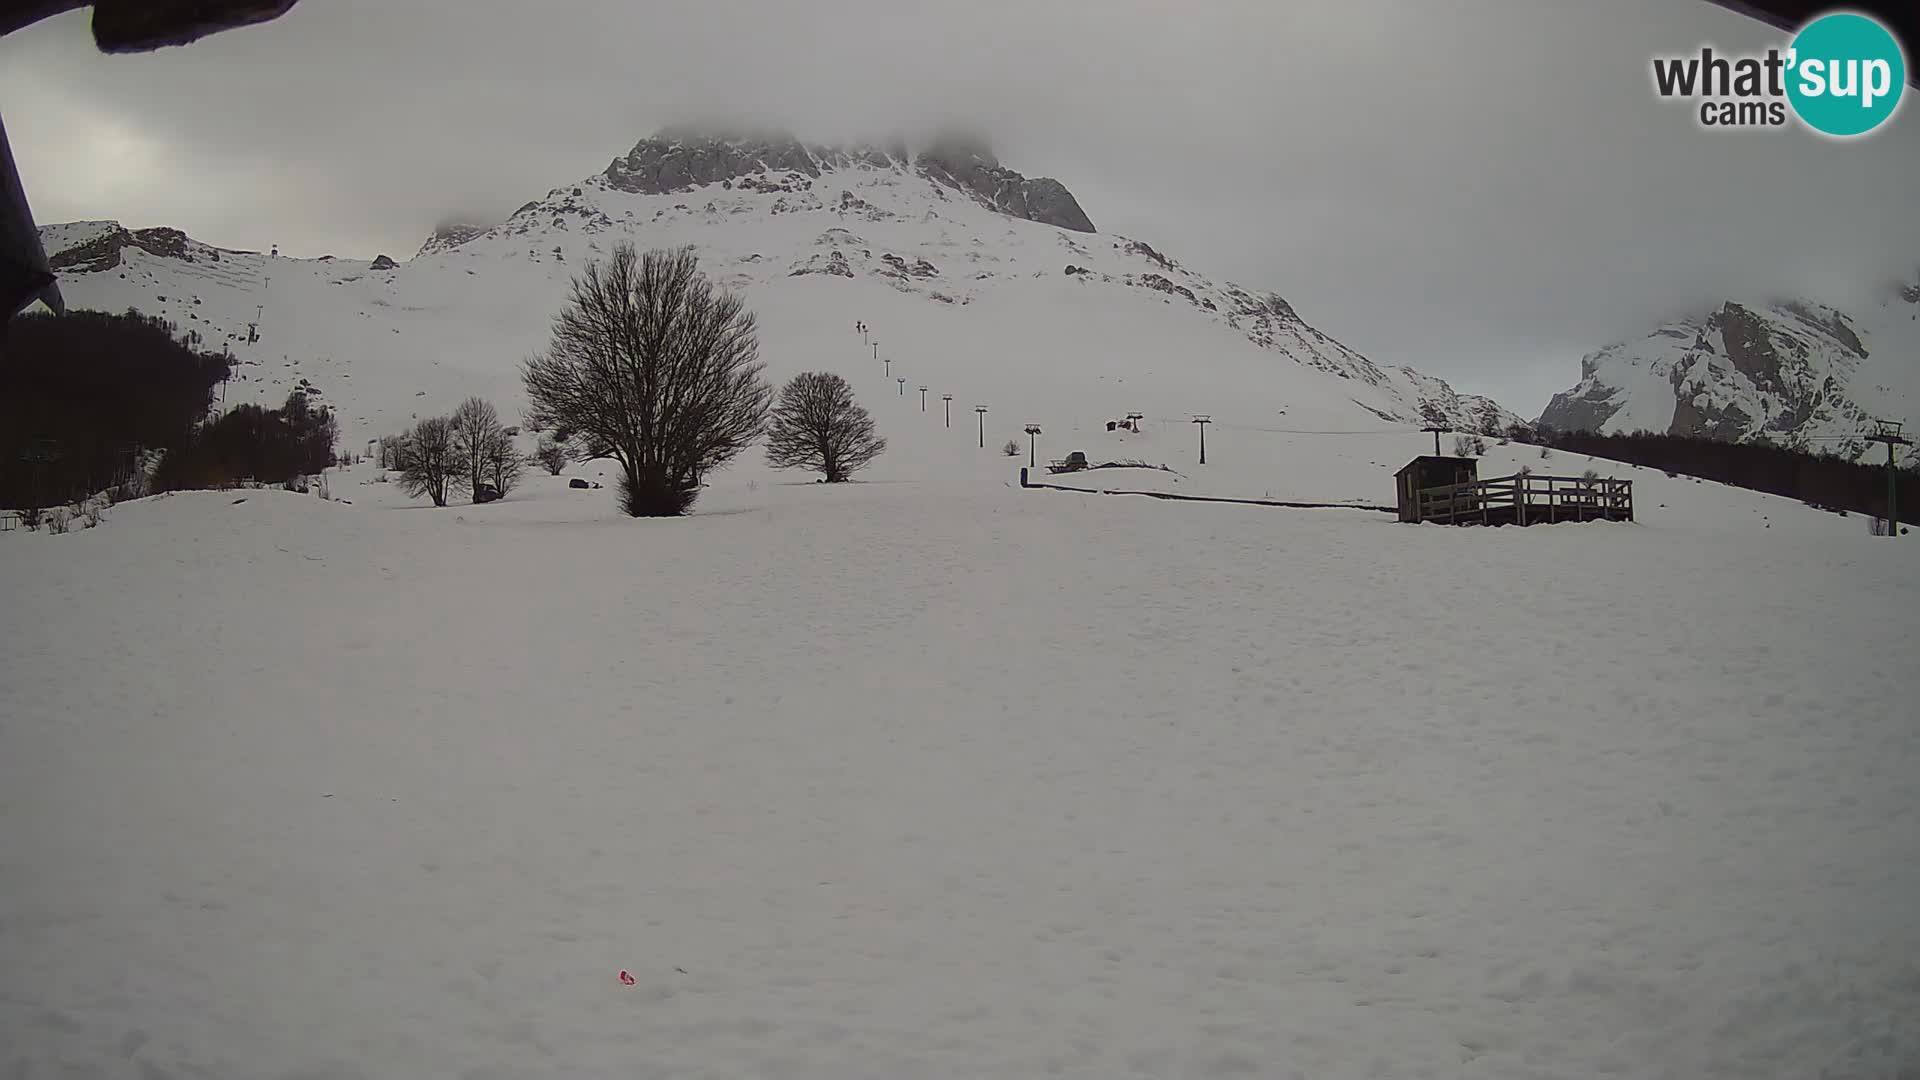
(818, 426)
(653, 367)
(432, 460)
(393, 452)
(503, 463)
(1011, 448)
(552, 456)
(476, 427)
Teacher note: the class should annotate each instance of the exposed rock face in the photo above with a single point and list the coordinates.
(1141, 247)
(681, 159)
(1158, 283)
(1580, 409)
(450, 236)
(968, 164)
(1792, 372)
(103, 252)
(852, 204)
(896, 266)
(381, 262)
(832, 262)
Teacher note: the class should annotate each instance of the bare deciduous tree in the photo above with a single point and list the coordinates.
(476, 426)
(503, 463)
(393, 453)
(818, 426)
(1468, 445)
(432, 460)
(552, 456)
(653, 367)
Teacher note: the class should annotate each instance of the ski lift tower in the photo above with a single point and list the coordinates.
(1888, 431)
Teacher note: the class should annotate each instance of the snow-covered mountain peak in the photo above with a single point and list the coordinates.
(1792, 371)
(950, 250)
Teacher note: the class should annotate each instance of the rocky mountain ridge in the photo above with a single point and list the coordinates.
(679, 160)
(1790, 371)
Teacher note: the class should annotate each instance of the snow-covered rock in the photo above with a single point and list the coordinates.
(1790, 371)
(92, 246)
(450, 235)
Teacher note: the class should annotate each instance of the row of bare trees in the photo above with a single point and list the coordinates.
(441, 452)
(652, 367)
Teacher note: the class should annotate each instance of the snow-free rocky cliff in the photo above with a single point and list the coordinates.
(1790, 371)
(941, 249)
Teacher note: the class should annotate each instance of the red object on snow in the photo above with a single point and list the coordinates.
(626, 979)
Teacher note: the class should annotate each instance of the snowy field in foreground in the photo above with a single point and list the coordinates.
(864, 782)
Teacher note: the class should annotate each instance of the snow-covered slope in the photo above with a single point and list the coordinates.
(886, 780)
(928, 775)
(971, 275)
(1794, 372)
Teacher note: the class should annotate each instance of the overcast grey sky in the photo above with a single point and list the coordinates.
(1483, 189)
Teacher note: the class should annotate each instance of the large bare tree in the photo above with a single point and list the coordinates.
(476, 427)
(653, 367)
(817, 425)
(432, 460)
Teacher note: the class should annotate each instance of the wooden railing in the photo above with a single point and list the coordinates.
(1528, 499)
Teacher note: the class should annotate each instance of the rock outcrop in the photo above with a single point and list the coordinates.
(103, 252)
(1788, 371)
(451, 235)
(682, 159)
(968, 164)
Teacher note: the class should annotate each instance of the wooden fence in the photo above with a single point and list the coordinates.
(1528, 499)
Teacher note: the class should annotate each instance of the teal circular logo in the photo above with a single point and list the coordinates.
(1846, 74)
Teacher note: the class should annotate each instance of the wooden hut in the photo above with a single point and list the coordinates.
(1430, 471)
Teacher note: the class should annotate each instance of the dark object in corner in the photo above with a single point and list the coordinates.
(24, 273)
(127, 26)
(1789, 15)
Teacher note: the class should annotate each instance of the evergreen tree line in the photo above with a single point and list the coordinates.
(251, 442)
(84, 395)
(1824, 480)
